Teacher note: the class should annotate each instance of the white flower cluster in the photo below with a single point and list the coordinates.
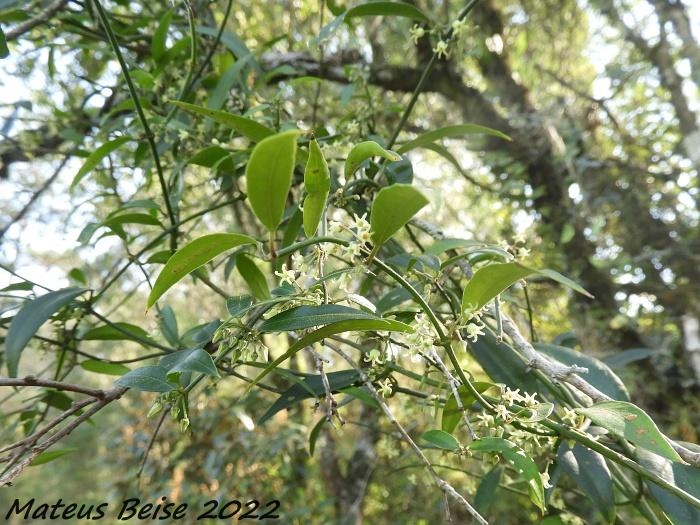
(360, 231)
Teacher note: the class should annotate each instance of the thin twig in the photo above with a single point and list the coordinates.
(50, 383)
(37, 20)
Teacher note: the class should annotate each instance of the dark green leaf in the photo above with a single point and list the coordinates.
(441, 439)
(239, 305)
(317, 182)
(28, 320)
(4, 50)
(315, 432)
(100, 367)
(685, 477)
(392, 208)
(590, 473)
(486, 492)
(302, 317)
(490, 281)
(160, 36)
(599, 374)
(167, 323)
(246, 127)
(96, 156)
(148, 379)
(399, 9)
(521, 462)
(310, 386)
(192, 360)
(24, 286)
(269, 176)
(50, 455)
(253, 277)
(449, 131)
(192, 256)
(117, 332)
(625, 357)
(632, 423)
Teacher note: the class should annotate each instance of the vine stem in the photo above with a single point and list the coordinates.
(104, 20)
(424, 77)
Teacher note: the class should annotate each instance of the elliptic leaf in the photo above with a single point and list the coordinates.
(489, 281)
(95, 157)
(599, 374)
(148, 378)
(192, 360)
(100, 367)
(269, 176)
(400, 9)
(317, 181)
(588, 470)
(50, 455)
(245, 126)
(519, 460)
(160, 36)
(486, 492)
(4, 50)
(28, 320)
(302, 317)
(253, 277)
(192, 256)
(239, 305)
(441, 439)
(632, 423)
(117, 332)
(449, 131)
(363, 151)
(392, 208)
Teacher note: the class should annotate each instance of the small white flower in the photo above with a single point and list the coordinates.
(374, 357)
(286, 275)
(385, 387)
(474, 331)
(529, 400)
(545, 480)
(441, 49)
(509, 397)
(502, 412)
(416, 33)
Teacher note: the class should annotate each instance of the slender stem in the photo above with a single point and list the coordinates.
(104, 19)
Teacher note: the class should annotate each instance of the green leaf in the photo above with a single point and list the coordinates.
(191, 256)
(167, 323)
(239, 305)
(311, 386)
(269, 176)
(302, 317)
(117, 332)
(245, 126)
(567, 233)
(28, 320)
(317, 181)
(253, 277)
(449, 131)
(599, 374)
(392, 208)
(315, 433)
(4, 50)
(685, 477)
(192, 360)
(503, 364)
(50, 455)
(399, 9)
(441, 439)
(486, 492)
(489, 281)
(100, 367)
(588, 470)
(96, 156)
(160, 36)
(632, 423)
(24, 286)
(451, 415)
(519, 460)
(213, 157)
(148, 379)
(363, 151)
(625, 357)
